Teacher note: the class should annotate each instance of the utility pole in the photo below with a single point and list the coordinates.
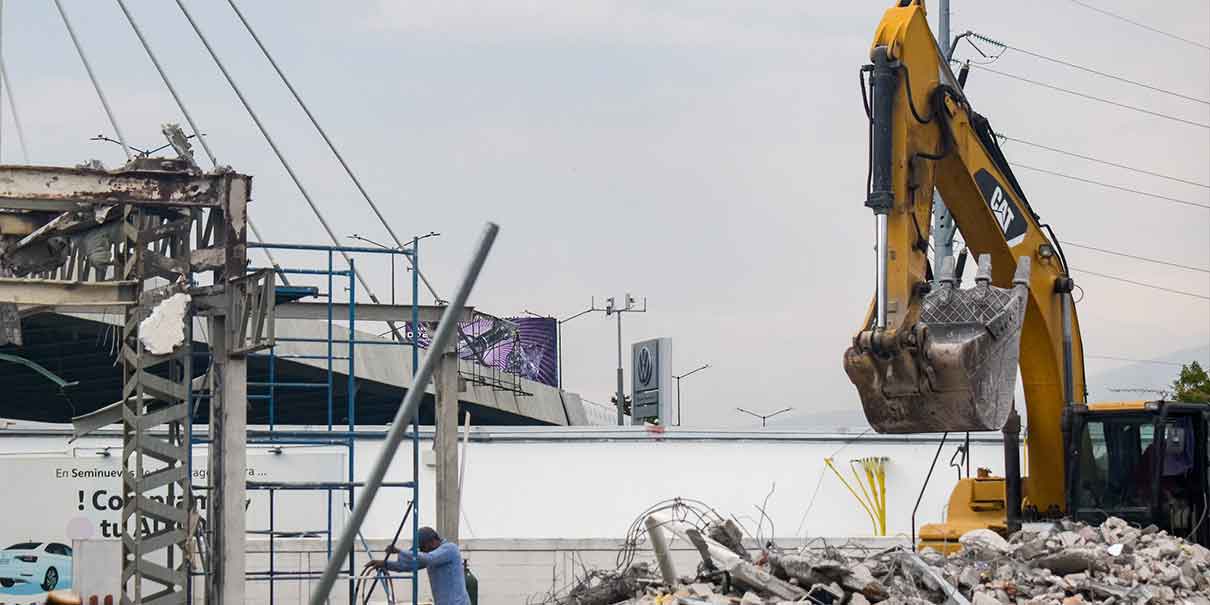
(943, 222)
(678, 390)
(613, 309)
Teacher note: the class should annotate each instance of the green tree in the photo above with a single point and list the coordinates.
(1193, 384)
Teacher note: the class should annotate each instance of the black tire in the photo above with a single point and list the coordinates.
(51, 580)
(6, 582)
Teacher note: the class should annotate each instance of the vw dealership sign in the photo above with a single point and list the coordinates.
(651, 380)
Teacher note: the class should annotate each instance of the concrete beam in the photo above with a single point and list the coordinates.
(364, 312)
(445, 442)
(228, 469)
(57, 293)
(62, 188)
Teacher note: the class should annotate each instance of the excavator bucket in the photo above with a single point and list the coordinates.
(955, 369)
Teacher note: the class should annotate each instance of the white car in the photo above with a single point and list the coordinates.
(43, 563)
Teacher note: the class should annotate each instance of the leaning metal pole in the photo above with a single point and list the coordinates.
(408, 409)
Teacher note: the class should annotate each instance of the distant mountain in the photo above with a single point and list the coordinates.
(1114, 385)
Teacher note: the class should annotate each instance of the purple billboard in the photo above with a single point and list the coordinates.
(525, 346)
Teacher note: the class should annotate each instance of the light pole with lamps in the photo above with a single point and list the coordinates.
(610, 309)
(678, 389)
(764, 417)
(362, 238)
(613, 309)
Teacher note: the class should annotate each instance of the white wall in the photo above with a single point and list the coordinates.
(555, 483)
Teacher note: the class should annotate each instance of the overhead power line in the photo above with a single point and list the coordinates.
(1143, 284)
(1105, 162)
(1140, 24)
(1090, 70)
(1133, 360)
(1109, 186)
(12, 105)
(71, 32)
(1135, 257)
(1085, 95)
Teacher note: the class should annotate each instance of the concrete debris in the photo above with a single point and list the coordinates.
(164, 329)
(1062, 564)
(986, 541)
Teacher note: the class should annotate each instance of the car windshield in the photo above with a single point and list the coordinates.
(24, 546)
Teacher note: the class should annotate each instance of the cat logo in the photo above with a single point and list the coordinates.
(999, 204)
(1008, 216)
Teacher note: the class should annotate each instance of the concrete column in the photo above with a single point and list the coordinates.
(228, 469)
(445, 444)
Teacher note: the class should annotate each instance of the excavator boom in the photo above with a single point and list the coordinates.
(931, 356)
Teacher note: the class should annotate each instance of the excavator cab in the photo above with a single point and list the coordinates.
(1145, 462)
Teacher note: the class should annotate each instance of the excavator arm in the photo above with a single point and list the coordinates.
(930, 356)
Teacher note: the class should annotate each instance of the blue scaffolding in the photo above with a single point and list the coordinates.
(269, 390)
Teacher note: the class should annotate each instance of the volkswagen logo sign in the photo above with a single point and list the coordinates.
(645, 366)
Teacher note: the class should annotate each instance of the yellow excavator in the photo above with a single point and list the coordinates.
(933, 357)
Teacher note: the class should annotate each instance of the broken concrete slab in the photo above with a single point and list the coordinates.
(164, 329)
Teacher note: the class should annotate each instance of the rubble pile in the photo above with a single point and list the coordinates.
(1064, 563)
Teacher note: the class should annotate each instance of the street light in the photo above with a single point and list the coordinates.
(362, 238)
(764, 417)
(611, 308)
(678, 390)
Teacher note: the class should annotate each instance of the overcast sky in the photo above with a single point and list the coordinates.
(709, 156)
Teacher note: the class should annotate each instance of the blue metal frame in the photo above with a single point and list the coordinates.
(331, 437)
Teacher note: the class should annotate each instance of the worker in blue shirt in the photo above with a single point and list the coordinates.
(443, 561)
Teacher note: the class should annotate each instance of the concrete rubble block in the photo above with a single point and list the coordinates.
(826, 594)
(982, 598)
(970, 577)
(1089, 534)
(1200, 554)
(1072, 560)
(754, 577)
(1032, 549)
(861, 580)
(164, 329)
(985, 543)
(858, 599)
(729, 535)
(750, 598)
(1069, 538)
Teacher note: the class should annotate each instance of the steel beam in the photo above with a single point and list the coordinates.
(62, 188)
(155, 566)
(56, 293)
(365, 312)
